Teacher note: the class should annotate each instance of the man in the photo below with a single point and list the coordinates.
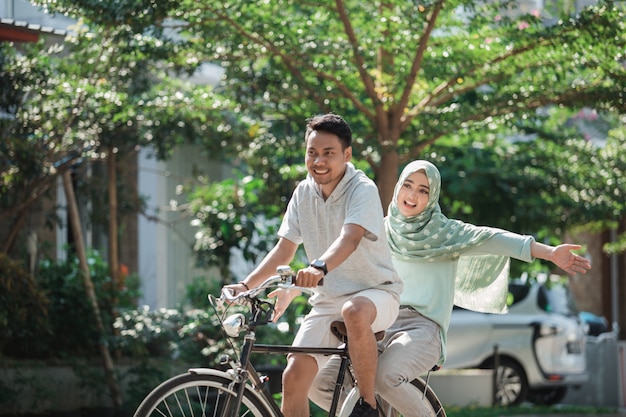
(337, 215)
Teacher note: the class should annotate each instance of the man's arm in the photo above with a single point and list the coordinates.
(341, 248)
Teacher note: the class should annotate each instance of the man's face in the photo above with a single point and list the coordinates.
(325, 160)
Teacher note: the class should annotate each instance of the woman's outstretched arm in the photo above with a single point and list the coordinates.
(562, 257)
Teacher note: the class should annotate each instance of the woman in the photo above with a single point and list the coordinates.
(442, 262)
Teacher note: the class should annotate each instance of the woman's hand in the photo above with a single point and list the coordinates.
(568, 261)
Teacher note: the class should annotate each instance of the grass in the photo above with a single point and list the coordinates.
(525, 410)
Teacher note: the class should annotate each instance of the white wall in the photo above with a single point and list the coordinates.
(24, 11)
(166, 259)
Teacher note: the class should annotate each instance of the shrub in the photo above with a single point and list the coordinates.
(23, 309)
(50, 316)
(72, 318)
(197, 292)
(66, 329)
(193, 336)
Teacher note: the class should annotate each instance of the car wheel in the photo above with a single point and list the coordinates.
(511, 383)
(547, 396)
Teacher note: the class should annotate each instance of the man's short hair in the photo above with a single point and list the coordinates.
(330, 123)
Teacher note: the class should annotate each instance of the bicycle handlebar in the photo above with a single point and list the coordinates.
(285, 279)
(229, 296)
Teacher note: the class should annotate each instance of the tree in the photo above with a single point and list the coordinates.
(406, 74)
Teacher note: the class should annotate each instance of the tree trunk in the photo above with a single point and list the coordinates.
(114, 264)
(15, 229)
(387, 176)
(72, 207)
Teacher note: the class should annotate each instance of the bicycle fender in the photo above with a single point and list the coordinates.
(349, 403)
(229, 375)
(209, 371)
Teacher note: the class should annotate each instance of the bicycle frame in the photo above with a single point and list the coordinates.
(244, 372)
(285, 349)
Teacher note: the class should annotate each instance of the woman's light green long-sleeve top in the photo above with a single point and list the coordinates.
(432, 288)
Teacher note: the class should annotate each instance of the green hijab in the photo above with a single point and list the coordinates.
(481, 281)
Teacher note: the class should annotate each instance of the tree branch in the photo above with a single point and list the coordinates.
(416, 65)
(294, 66)
(368, 82)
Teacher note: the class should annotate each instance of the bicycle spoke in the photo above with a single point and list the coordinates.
(191, 395)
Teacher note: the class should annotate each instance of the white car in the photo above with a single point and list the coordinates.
(539, 345)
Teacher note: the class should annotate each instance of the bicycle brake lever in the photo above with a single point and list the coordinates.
(217, 303)
(228, 295)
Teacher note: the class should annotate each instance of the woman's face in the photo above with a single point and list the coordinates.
(413, 195)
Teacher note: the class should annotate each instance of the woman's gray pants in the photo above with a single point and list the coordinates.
(411, 347)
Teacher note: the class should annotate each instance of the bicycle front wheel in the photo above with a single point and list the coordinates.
(199, 395)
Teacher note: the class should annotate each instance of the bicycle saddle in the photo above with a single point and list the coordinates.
(339, 329)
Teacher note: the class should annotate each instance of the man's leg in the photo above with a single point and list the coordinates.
(301, 369)
(359, 313)
(321, 393)
(297, 379)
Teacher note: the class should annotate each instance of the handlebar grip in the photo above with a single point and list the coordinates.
(228, 294)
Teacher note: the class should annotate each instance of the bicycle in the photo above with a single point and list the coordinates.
(241, 390)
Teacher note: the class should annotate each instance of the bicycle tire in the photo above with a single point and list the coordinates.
(198, 395)
(436, 408)
(431, 404)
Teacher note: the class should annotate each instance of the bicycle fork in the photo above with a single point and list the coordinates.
(240, 376)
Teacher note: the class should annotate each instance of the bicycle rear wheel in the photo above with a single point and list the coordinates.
(430, 401)
(426, 403)
(199, 396)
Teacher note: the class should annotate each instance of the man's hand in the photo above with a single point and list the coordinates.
(309, 277)
(568, 261)
(283, 297)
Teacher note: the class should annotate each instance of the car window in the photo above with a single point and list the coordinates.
(517, 293)
(559, 300)
(552, 298)
(543, 300)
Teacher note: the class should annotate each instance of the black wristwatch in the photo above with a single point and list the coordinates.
(319, 264)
